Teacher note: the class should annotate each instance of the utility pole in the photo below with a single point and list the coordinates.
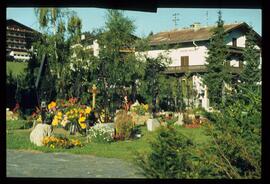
(175, 19)
(207, 18)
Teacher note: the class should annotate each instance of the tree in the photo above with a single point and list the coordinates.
(235, 149)
(250, 76)
(118, 67)
(49, 16)
(216, 73)
(170, 157)
(74, 28)
(152, 79)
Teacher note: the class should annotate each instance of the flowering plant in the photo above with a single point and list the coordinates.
(61, 142)
(101, 134)
(140, 109)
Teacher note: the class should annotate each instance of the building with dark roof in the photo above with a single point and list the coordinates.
(188, 47)
(18, 40)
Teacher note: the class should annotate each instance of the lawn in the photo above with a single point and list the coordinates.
(19, 139)
(16, 67)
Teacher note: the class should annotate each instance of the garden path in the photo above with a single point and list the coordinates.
(64, 165)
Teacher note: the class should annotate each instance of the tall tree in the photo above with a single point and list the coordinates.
(151, 85)
(217, 73)
(250, 76)
(49, 17)
(117, 70)
(74, 28)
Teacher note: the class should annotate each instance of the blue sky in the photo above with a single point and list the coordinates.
(146, 22)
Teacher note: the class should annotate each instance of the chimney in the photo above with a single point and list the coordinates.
(195, 26)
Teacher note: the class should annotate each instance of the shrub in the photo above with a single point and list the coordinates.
(123, 125)
(236, 141)
(140, 109)
(186, 118)
(100, 134)
(170, 156)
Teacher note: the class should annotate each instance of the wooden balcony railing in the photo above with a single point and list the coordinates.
(194, 68)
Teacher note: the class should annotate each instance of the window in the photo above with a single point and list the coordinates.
(184, 61)
(234, 42)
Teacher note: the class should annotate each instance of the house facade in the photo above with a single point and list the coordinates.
(188, 50)
(18, 40)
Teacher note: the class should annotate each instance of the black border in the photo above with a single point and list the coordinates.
(150, 6)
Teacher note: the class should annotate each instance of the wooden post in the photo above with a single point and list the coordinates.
(94, 91)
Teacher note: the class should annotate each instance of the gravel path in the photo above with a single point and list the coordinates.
(65, 165)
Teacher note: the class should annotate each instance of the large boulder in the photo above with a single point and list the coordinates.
(39, 132)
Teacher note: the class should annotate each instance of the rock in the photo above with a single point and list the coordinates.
(180, 120)
(152, 124)
(39, 132)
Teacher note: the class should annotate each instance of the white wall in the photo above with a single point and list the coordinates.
(196, 55)
(239, 35)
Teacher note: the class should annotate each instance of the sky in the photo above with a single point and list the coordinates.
(145, 22)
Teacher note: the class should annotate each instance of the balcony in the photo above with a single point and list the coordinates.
(195, 69)
(15, 35)
(184, 69)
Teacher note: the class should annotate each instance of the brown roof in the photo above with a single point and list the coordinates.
(190, 34)
(11, 22)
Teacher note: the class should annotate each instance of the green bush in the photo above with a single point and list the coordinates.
(123, 125)
(170, 157)
(235, 150)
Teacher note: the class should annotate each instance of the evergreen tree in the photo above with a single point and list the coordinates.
(251, 73)
(170, 157)
(217, 73)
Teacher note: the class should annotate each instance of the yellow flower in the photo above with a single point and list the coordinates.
(83, 125)
(88, 110)
(52, 105)
(59, 114)
(82, 119)
(39, 119)
(55, 121)
(146, 107)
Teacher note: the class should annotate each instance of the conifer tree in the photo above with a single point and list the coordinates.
(217, 73)
(251, 73)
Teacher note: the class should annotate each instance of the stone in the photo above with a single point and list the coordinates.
(39, 132)
(152, 124)
(180, 119)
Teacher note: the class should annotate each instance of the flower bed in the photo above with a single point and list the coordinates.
(61, 142)
(100, 134)
(66, 112)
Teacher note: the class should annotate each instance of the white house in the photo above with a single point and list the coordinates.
(188, 49)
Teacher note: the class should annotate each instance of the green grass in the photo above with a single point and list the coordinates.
(16, 67)
(17, 124)
(126, 150)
